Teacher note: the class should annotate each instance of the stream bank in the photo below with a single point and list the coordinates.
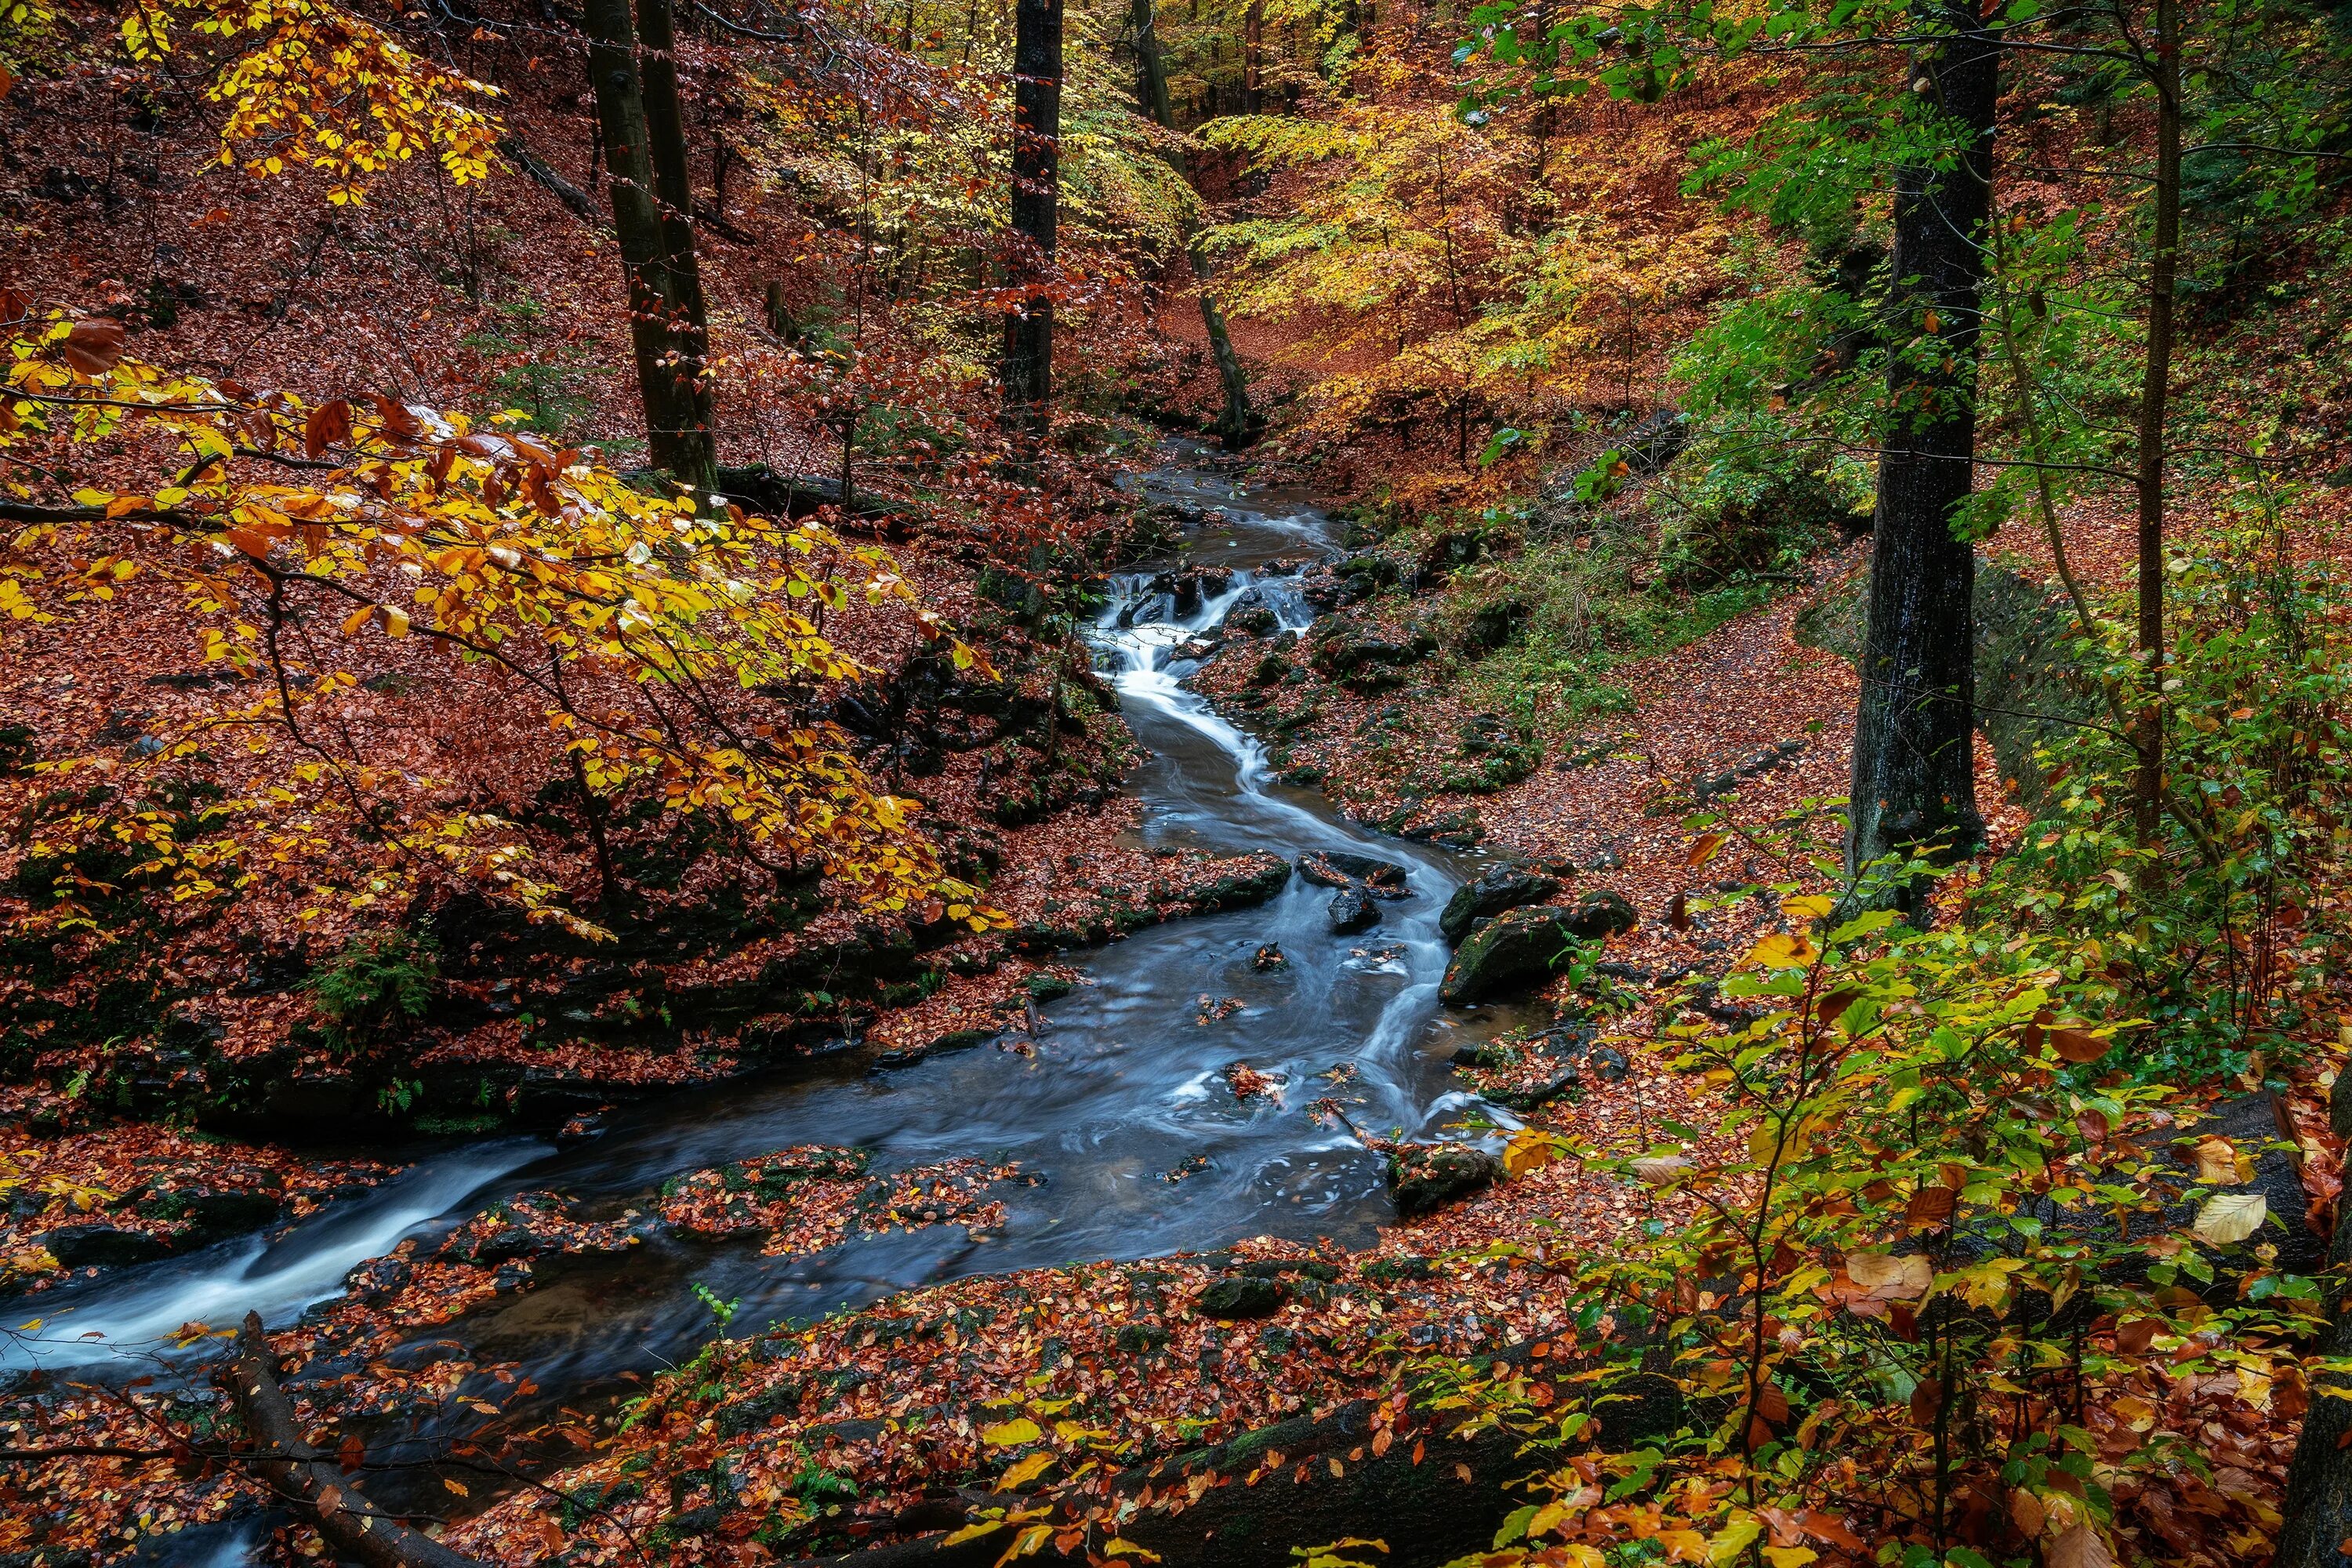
(1166, 1103)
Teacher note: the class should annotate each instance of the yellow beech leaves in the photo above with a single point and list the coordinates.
(321, 88)
(649, 630)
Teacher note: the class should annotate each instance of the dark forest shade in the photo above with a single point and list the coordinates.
(645, 147)
(1036, 179)
(1914, 762)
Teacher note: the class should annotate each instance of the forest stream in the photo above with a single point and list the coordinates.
(1123, 1086)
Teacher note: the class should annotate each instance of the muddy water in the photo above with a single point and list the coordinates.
(1124, 1087)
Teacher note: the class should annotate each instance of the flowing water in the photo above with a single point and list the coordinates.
(1123, 1087)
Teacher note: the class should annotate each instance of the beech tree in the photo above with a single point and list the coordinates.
(1235, 424)
(1914, 759)
(1028, 371)
(635, 81)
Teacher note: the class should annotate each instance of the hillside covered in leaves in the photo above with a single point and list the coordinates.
(1263, 781)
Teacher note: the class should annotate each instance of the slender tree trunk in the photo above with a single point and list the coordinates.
(644, 149)
(1235, 426)
(1253, 49)
(2155, 387)
(2318, 1507)
(1150, 66)
(1036, 138)
(1914, 762)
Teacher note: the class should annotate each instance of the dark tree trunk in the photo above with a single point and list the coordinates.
(1150, 66)
(1252, 48)
(2155, 387)
(2318, 1509)
(1036, 146)
(303, 1476)
(1914, 762)
(1235, 426)
(644, 148)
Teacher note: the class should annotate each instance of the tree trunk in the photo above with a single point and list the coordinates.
(1236, 427)
(1150, 67)
(1914, 762)
(644, 148)
(1253, 49)
(1036, 138)
(2318, 1507)
(303, 1476)
(2155, 387)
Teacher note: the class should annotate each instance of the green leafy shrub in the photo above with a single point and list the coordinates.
(380, 979)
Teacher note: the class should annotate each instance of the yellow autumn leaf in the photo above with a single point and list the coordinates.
(1026, 1469)
(1027, 1543)
(1120, 1546)
(1783, 950)
(1808, 907)
(1007, 1434)
(1529, 1150)
(2229, 1217)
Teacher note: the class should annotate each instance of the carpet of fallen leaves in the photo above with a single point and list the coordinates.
(809, 1198)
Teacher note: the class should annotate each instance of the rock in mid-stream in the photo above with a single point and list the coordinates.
(1426, 1176)
(1351, 910)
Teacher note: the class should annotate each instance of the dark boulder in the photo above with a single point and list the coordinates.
(1243, 1296)
(1656, 441)
(1514, 951)
(1602, 913)
(101, 1245)
(1351, 910)
(1499, 887)
(1423, 1177)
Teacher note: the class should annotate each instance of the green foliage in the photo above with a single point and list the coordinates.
(382, 978)
(1955, 1230)
(2212, 925)
(546, 378)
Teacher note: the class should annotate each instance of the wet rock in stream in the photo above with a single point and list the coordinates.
(1351, 910)
(1336, 869)
(1518, 950)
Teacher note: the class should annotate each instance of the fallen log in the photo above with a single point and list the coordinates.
(304, 1477)
(1432, 1497)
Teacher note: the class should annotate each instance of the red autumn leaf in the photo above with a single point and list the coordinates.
(330, 425)
(2078, 1045)
(94, 344)
(1929, 1207)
